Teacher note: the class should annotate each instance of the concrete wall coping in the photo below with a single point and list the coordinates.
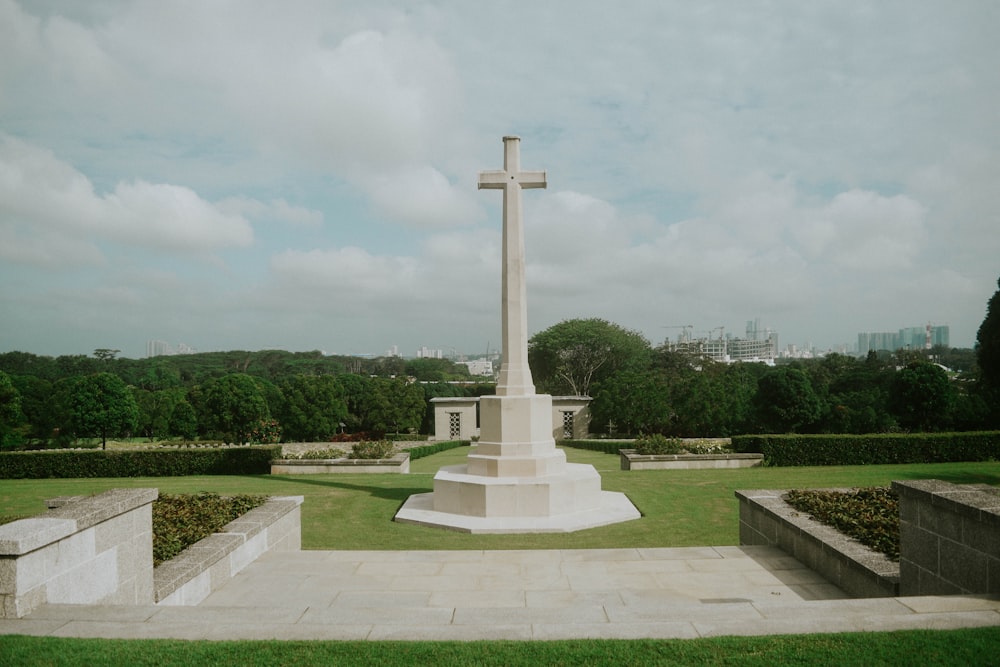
(980, 501)
(26, 535)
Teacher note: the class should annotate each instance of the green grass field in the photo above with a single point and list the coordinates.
(348, 511)
(926, 648)
(680, 508)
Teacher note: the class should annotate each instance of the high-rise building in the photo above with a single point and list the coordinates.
(909, 338)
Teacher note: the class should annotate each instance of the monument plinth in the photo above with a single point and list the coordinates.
(516, 480)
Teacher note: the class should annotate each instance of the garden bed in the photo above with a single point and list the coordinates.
(193, 574)
(631, 460)
(766, 519)
(398, 463)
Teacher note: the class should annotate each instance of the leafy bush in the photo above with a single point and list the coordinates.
(426, 450)
(879, 448)
(138, 463)
(658, 443)
(360, 436)
(871, 516)
(606, 446)
(316, 454)
(181, 520)
(372, 449)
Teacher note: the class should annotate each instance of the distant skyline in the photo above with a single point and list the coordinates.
(302, 175)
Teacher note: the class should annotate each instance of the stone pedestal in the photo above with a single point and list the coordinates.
(516, 481)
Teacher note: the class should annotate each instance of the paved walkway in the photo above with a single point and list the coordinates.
(466, 595)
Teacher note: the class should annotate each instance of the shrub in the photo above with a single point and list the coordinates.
(372, 449)
(871, 516)
(316, 454)
(180, 521)
(872, 449)
(426, 450)
(606, 446)
(138, 463)
(658, 444)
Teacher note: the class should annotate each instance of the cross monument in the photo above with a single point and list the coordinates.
(515, 375)
(516, 480)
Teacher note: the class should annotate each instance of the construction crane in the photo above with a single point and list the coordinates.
(685, 333)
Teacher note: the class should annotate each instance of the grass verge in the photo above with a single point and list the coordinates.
(977, 646)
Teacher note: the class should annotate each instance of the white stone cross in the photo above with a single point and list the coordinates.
(515, 376)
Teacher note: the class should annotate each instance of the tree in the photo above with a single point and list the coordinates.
(633, 402)
(785, 401)
(183, 421)
(232, 406)
(313, 407)
(10, 407)
(922, 397)
(988, 343)
(101, 405)
(568, 357)
(396, 406)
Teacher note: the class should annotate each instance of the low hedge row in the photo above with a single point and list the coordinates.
(138, 463)
(606, 446)
(878, 448)
(421, 451)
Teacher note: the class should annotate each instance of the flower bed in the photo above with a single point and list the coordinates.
(398, 463)
(632, 460)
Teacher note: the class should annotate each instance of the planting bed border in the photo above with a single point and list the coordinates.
(205, 566)
(766, 519)
(400, 463)
(630, 460)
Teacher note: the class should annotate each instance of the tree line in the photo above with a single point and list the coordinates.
(241, 397)
(271, 395)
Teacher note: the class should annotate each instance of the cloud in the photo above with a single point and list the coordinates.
(41, 196)
(276, 209)
(421, 196)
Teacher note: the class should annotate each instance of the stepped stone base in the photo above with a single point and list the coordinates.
(516, 480)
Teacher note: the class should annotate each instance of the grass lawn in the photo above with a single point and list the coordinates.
(914, 647)
(347, 511)
(680, 508)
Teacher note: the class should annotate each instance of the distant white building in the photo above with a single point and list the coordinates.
(426, 353)
(479, 367)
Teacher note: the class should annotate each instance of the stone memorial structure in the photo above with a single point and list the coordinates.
(516, 480)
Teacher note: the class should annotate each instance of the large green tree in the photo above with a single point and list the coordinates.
(313, 407)
(10, 408)
(988, 343)
(786, 402)
(567, 358)
(922, 397)
(632, 402)
(101, 405)
(232, 406)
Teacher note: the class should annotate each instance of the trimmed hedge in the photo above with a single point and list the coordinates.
(426, 450)
(878, 448)
(139, 462)
(606, 446)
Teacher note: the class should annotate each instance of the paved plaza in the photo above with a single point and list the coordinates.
(519, 595)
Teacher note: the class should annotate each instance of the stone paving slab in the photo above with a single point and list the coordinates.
(516, 595)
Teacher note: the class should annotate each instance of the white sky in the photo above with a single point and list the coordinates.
(302, 175)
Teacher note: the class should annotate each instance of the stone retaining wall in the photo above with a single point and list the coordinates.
(949, 538)
(193, 574)
(96, 550)
(766, 519)
(99, 550)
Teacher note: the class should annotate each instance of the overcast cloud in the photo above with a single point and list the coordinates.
(302, 175)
